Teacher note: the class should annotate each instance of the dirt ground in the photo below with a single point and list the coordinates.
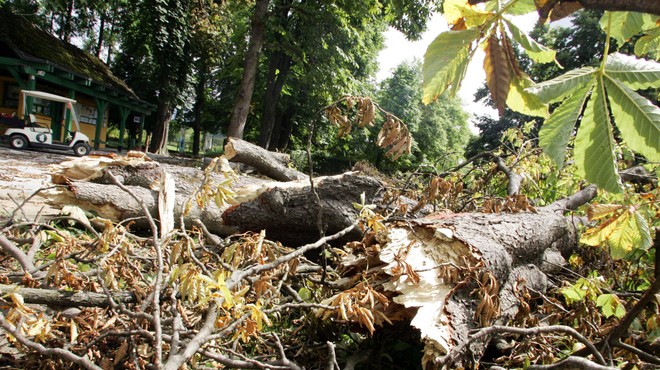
(22, 173)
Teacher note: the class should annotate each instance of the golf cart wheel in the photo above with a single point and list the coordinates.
(81, 149)
(18, 142)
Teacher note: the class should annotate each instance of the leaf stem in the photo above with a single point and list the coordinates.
(601, 70)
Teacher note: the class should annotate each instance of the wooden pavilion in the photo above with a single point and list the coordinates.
(33, 59)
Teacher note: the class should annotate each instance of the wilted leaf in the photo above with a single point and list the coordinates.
(594, 144)
(498, 72)
(598, 211)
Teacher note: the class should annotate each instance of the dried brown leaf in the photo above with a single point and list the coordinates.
(498, 74)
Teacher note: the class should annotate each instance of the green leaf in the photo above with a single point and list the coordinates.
(513, 7)
(305, 294)
(635, 73)
(556, 89)
(645, 241)
(520, 7)
(523, 102)
(443, 61)
(572, 294)
(624, 25)
(611, 305)
(649, 44)
(534, 50)
(594, 144)
(637, 118)
(558, 128)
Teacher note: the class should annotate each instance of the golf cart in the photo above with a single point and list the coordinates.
(32, 134)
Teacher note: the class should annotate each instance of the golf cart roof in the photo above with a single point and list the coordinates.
(48, 96)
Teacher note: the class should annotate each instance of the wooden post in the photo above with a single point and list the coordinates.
(141, 129)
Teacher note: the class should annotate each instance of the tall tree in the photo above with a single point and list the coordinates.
(155, 56)
(440, 129)
(246, 87)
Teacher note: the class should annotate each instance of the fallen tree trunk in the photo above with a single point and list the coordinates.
(459, 272)
(269, 163)
(286, 210)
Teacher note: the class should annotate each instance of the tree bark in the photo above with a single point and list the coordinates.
(278, 70)
(200, 100)
(289, 213)
(470, 267)
(268, 163)
(246, 87)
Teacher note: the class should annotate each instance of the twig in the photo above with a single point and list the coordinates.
(20, 257)
(498, 329)
(572, 363)
(61, 353)
(332, 357)
(157, 285)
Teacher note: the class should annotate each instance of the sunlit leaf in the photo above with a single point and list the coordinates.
(625, 237)
(637, 118)
(498, 72)
(521, 101)
(645, 241)
(519, 7)
(599, 211)
(558, 88)
(594, 144)
(534, 50)
(635, 73)
(649, 44)
(558, 128)
(624, 25)
(611, 305)
(444, 58)
(460, 11)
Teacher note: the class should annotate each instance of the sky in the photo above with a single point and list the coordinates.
(399, 50)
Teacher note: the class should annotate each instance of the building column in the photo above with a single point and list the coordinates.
(124, 112)
(101, 106)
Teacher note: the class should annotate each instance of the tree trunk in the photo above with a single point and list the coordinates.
(200, 99)
(246, 87)
(278, 71)
(99, 45)
(161, 127)
(289, 213)
(457, 272)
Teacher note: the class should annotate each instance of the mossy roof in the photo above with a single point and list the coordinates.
(31, 43)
